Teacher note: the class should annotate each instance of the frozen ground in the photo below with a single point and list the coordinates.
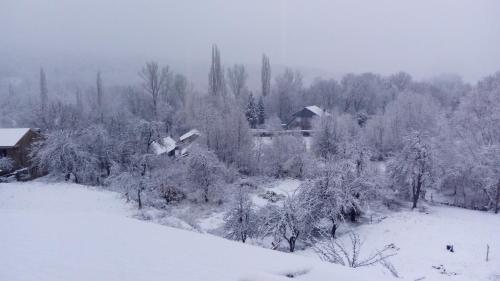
(284, 187)
(422, 238)
(60, 232)
(70, 232)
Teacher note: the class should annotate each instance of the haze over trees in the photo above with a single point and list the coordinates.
(436, 136)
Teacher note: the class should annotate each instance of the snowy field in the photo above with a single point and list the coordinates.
(61, 232)
(70, 232)
(421, 238)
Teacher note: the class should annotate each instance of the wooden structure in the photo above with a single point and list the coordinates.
(171, 147)
(15, 143)
(303, 119)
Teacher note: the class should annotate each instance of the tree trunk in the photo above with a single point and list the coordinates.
(416, 192)
(205, 194)
(139, 198)
(498, 197)
(352, 215)
(333, 229)
(291, 244)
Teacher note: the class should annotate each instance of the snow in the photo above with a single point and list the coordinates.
(189, 134)
(316, 110)
(285, 187)
(212, 222)
(167, 145)
(422, 238)
(11, 136)
(65, 232)
(70, 232)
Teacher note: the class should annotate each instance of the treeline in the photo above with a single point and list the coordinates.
(440, 134)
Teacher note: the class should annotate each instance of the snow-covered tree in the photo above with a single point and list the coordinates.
(334, 133)
(288, 87)
(6, 164)
(241, 219)
(289, 221)
(61, 153)
(412, 169)
(205, 174)
(409, 112)
(278, 158)
(338, 192)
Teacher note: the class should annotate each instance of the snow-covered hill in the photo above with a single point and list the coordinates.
(66, 232)
(71, 232)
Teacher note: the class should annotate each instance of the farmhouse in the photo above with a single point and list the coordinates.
(15, 144)
(302, 120)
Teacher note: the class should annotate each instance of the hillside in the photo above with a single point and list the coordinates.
(71, 232)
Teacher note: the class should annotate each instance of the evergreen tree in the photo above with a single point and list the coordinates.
(251, 112)
(261, 112)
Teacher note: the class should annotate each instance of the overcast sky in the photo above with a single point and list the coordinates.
(422, 37)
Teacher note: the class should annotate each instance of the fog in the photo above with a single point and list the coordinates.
(327, 38)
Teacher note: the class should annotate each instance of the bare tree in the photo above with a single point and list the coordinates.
(216, 75)
(335, 251)
(288, 88)
(237, 78)
(100, 106)
(44, 96)
(78, 100)
(266, 76)
(154, 80)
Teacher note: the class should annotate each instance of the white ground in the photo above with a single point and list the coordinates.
(422, 239)
(60, 232)
(70, 232)
(285, 187)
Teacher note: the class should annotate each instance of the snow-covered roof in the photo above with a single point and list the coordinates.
(189, 134)
(316, 110)
(169, 143)
(166, 145)
(9, 137)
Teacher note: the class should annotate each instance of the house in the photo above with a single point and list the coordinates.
(187, 139)
(15, 144)
(166, 145)
(303, 119)
(171, 147)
